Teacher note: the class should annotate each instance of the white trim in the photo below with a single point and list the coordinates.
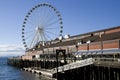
(110, 48)
(94, 49)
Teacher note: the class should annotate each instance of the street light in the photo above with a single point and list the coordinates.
(101, 44)
(59, 51)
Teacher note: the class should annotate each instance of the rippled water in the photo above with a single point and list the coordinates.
(11, 73)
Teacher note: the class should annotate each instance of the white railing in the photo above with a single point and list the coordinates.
(74, 65)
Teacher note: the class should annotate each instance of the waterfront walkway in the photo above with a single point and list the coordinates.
(111, 62)
(74, 65)
(93, 68)
(50, 73)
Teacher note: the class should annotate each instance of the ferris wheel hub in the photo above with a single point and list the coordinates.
(39, 29)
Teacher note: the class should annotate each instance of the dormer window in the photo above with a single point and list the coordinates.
(88, 42)
(79, 42)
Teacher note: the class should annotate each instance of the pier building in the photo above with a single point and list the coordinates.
(105, 43)
(89, 56)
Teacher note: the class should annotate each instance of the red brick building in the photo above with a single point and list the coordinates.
(105, 42)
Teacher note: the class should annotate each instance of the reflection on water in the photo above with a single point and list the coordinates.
(11, 73)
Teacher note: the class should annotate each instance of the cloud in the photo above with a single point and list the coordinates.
(11, 50)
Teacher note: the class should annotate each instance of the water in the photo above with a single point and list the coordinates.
(11, 73)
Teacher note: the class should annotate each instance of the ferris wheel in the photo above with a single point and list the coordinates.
(42, 23)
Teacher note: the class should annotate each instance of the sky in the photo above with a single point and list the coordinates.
(79, 16)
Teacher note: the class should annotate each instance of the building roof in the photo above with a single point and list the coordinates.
(90, 36)
(96, 31)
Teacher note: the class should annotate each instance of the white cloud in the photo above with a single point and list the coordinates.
(11, 50)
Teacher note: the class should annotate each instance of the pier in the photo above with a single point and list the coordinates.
(87, 69)
(90, 56)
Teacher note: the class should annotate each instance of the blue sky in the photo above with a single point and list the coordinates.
(79, 16)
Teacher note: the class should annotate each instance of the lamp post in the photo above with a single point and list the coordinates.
(59, 51)
(101, 44)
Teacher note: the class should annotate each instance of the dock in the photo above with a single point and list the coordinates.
(90, 56)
